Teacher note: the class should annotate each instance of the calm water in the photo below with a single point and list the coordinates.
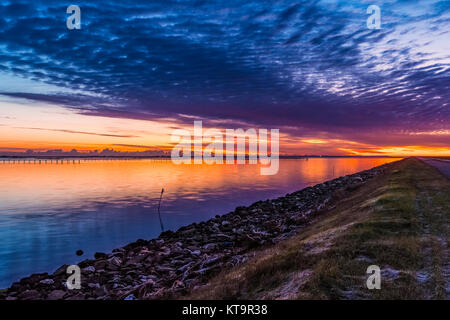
(48, 211)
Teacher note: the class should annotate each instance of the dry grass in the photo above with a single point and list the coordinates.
(398, 221)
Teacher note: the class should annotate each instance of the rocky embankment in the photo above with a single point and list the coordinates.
(176, 262)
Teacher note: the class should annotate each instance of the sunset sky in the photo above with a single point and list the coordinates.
(137, 70)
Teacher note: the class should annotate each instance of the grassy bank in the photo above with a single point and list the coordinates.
(398, 221)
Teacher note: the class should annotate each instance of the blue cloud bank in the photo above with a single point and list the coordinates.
(306, 66)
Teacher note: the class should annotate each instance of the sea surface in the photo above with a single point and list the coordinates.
(49, 210)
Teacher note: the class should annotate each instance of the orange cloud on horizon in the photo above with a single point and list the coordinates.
(401, 151)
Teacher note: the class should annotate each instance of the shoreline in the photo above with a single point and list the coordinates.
(177, 261)
(397, 222)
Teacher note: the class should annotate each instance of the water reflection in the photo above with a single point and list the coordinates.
(48, 211)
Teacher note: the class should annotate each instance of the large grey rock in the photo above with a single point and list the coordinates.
(56, 295)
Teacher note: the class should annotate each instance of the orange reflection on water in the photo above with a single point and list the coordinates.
(48, 211)
(28, 185)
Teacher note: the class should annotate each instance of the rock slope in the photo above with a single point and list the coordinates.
(176, 262)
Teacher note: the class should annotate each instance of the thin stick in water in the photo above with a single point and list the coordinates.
(159, 213)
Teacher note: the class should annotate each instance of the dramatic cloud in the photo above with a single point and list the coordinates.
(81, 132)
(312, 68)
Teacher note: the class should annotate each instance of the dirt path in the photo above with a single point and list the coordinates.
(398, 221)
(442, 165)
